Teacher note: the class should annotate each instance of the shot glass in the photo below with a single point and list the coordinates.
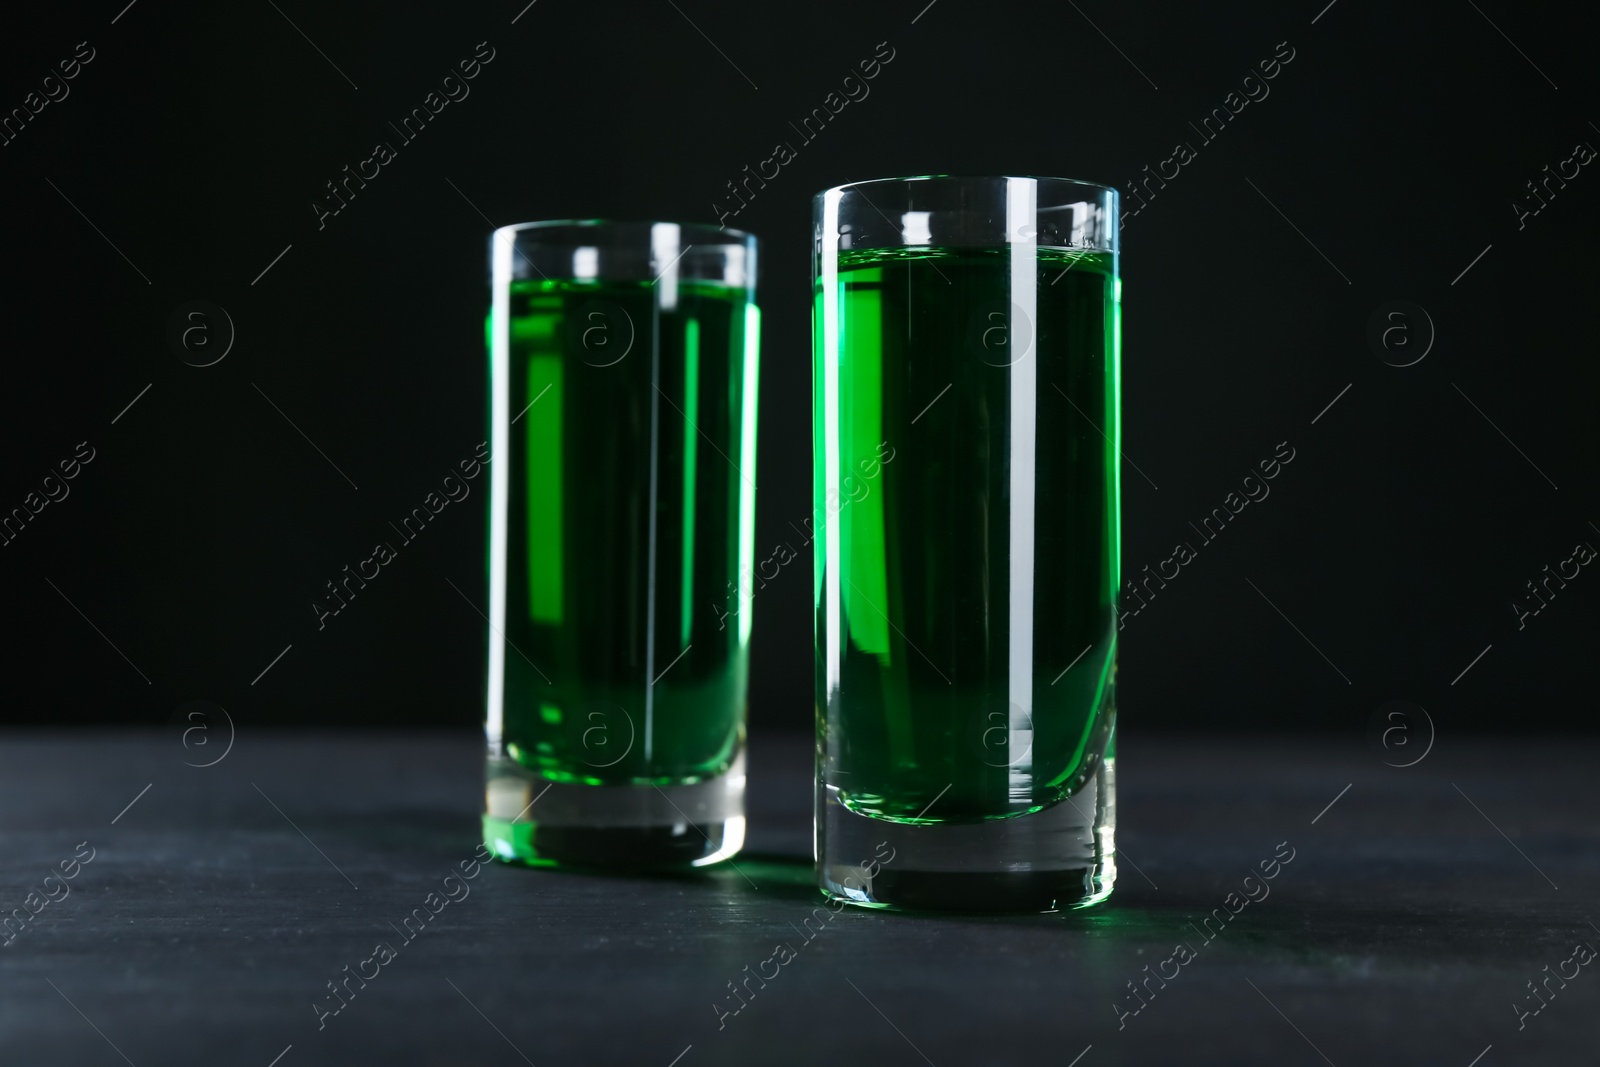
(966, 400)
(622, 421)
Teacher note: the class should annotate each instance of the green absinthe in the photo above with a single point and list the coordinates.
(628, 528)
(936, 694)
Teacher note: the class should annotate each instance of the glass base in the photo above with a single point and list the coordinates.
(530, 819)
(1063, 856)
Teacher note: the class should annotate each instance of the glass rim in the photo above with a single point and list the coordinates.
(958, 178)
(710, 232)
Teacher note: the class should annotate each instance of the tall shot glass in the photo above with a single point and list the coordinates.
(968, 330)
(622, 419)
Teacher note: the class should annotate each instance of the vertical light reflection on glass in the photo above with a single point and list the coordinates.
(691, 444)
(586, 263)
(747, 465)
(830, 444)
(1021, 234)
(664, 256)
(499, 480)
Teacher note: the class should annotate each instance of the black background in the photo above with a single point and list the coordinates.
(197, 139)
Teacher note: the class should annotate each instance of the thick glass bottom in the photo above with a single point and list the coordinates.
(1063, 856)
(531, 820)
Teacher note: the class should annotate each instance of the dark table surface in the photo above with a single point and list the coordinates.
(218, 906)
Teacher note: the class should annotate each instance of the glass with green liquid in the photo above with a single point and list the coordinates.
(622, 419)
(965, 608)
